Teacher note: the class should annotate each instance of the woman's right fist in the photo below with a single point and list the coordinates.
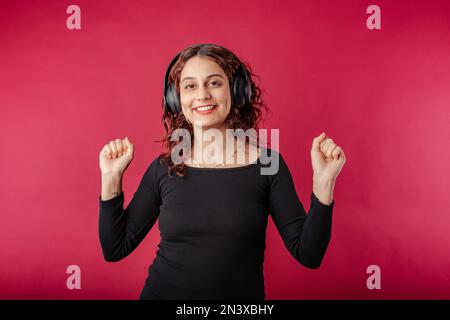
(116, 156)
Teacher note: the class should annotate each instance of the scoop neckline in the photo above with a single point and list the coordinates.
(254, 163)
(224, 169)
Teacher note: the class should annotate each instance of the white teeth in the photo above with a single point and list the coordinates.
(205, 108)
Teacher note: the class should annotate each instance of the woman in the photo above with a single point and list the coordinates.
(213, 211)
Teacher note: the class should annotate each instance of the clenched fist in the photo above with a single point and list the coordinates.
(116, 156)
(327, 158)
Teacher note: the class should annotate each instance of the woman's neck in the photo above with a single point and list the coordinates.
(211, 144)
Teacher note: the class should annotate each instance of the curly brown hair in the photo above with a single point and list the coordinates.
(245, 117)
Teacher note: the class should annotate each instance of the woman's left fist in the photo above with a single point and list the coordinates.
(327, 158)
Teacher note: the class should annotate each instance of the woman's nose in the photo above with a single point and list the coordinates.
(203, 94)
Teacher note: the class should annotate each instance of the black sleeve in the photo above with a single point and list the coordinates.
(305, 236)
(121, 230)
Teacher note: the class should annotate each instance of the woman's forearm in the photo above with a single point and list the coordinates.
(111, 185)
(324, 190)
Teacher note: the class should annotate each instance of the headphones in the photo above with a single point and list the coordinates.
(241, 90)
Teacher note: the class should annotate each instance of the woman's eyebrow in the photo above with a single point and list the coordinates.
(211, 75)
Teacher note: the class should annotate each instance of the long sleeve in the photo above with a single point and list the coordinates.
(120, 230)
(305, 236)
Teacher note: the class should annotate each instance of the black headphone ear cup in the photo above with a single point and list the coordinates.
(238, 89)
(170, 97)
(242, 90)
(248, 86)
(173, 102)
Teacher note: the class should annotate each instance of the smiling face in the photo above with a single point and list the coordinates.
(204, 83)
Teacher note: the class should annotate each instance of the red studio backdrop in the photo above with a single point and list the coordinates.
(381, 93)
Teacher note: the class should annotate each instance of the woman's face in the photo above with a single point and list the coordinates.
(204, 83)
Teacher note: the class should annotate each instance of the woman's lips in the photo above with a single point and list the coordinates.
(206, 111)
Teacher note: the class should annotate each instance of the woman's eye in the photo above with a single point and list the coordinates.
(215, 83)
(218, 83)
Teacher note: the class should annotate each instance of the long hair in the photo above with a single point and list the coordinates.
(246, 117)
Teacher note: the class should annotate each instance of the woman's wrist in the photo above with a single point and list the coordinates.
(323, 190)
(111, 185)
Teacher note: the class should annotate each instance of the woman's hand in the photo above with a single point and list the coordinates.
(327, 158)
(116, 156)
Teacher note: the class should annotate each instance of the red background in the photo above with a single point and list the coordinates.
(382, 95)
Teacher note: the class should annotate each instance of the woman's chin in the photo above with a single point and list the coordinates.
(208, 123)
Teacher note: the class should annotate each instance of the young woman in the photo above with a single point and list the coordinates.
(212, 208)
